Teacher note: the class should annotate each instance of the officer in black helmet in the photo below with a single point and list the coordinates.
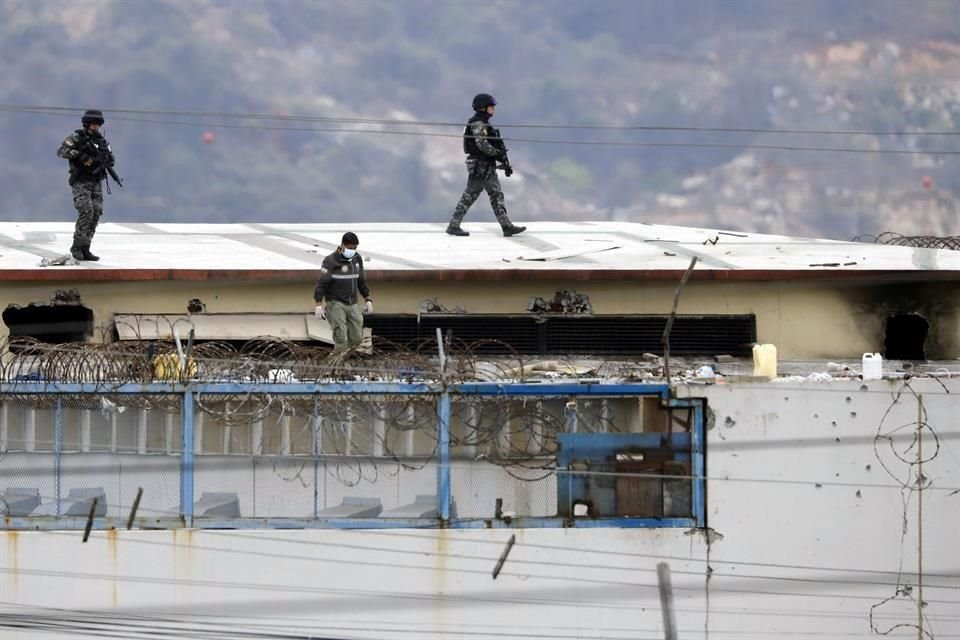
(90, 158)
(483, 146)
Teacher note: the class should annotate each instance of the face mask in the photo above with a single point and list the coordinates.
(349, 253)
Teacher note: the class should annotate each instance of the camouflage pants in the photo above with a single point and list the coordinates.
(88, 199)
(346, 320)
(481, 176)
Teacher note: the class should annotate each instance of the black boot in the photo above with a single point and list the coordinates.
(456, 231)
(77, 252)
(89, 256)
(513, 230)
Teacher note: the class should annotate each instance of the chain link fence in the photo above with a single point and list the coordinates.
(64, 450)
(243, 457)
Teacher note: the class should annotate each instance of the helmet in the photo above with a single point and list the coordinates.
(92, 116)
(483, 100)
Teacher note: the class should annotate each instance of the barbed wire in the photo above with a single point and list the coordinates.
(359, 434)
(926, 242)
(257, 361)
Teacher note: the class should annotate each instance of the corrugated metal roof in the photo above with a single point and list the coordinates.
(577, 250)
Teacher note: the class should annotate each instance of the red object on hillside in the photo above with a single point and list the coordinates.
(208, 137)
(927, 182)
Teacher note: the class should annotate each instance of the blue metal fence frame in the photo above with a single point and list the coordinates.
(444, 394)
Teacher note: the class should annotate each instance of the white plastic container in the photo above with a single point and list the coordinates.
(765, 360)
(872, 366)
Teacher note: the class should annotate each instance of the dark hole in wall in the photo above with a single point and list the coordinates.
(49, 323)
(905, 336)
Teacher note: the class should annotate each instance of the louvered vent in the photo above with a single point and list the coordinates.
(586, 335)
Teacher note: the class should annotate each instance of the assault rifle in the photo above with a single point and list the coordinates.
(113, 174)
(99, 162)
(503, 162)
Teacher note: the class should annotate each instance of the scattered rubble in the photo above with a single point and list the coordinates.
(65, 260)
(569, 302)
(433, 305)
(69, 296)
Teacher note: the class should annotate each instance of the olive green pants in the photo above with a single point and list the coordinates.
(346, 321)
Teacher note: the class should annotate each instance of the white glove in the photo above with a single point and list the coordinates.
(368, 306)
(320, 312)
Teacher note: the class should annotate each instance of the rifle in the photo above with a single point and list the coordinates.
(503, 162)
(100, 165)
(116, 178)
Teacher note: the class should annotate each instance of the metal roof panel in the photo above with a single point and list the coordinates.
(584, 250)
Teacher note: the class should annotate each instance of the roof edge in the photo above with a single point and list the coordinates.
(74, 274)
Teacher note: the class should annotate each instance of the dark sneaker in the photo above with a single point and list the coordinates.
(457, 231)
(513, 230)
(77, 253)
(89, 256)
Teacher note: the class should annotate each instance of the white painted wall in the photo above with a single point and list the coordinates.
(794, 560)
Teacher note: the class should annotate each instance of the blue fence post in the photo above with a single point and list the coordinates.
(570, 413)
(316, 460)
(699, 481)
(443, 446)
(58, 452)
(186, 458)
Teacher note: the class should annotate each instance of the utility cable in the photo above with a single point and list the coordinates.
(602, 143)
(73, 111)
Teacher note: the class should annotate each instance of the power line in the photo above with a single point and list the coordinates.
(621, 554)
(286, 588)
(601, 143)
(474, 558)
(544, 625)
(72, 618)
(520, 561)
(73, 111)
(484, 571)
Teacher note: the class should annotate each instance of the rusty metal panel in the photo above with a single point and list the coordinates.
(637, 495)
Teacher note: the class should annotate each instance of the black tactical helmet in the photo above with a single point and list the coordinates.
(483, 100)
(92, 116)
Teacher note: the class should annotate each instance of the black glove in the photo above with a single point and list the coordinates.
(507, 171)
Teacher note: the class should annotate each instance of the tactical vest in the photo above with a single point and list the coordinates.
(94, 146)
(470, 143)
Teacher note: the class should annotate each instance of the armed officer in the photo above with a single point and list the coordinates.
(91, 160)
(484, 148)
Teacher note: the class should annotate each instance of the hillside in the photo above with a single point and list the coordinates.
(878, 66)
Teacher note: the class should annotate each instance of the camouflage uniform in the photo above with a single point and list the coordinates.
(481, 172)
(88, 200)
(87, 191)
(481, 176)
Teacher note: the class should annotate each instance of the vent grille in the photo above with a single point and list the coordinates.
(558, 335)
(519, 332)
(393, 330)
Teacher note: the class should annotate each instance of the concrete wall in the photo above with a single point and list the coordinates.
(809, 319)
(808, 532)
